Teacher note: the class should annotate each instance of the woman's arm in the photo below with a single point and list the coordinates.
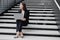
(24, 19)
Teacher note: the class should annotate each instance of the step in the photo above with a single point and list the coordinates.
(37, 6)
(40, 9)
(42, 17)
(41, 26)
(13, 11)
(39, 21)
(43, 32)
(41, 4)
(34, 3)
(6, 16)
(41, 0)
(31, 14)
(11, 37)
(31, 21)
(8, 13)
(7, 20)
(6, 24)
(29, 11)
(32, 8)
(45, 7)
(30, 26)
(30, 17)
(38, 1)
(43, 14)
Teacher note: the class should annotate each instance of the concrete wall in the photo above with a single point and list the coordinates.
(58, 15)
(58, 18)
(5, 4)
(58, 1)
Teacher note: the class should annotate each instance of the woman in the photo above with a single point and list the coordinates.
(22, 22)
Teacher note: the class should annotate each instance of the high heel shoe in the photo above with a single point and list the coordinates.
(22, 36)
(16, 37)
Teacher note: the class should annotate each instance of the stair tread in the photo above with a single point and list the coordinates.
(11, 37)
(42, 14)
(39, 21)
(32, 8)
(47, 32)
(30, 26)
(30, 11)
(42, 11)
(35, 7)
(35, 13)
(42, 17)
(31, 21)
(31, 14)
(30, 17)
(6, 16)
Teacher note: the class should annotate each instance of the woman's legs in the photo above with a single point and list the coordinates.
(19, 28)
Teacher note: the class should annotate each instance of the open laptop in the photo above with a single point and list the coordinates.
(18, 16)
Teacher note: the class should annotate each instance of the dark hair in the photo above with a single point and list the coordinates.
(24, 6)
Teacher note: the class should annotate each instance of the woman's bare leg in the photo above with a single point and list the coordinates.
(17, 35)
(21, 34)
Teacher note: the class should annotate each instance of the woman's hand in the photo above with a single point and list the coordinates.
(23, 19)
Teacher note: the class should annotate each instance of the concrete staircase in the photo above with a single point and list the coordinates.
(42, 21)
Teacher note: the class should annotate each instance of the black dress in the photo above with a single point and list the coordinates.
(21, 23)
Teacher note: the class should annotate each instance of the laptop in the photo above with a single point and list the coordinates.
(18, 16)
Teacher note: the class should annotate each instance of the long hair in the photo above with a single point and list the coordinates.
(24, 7)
